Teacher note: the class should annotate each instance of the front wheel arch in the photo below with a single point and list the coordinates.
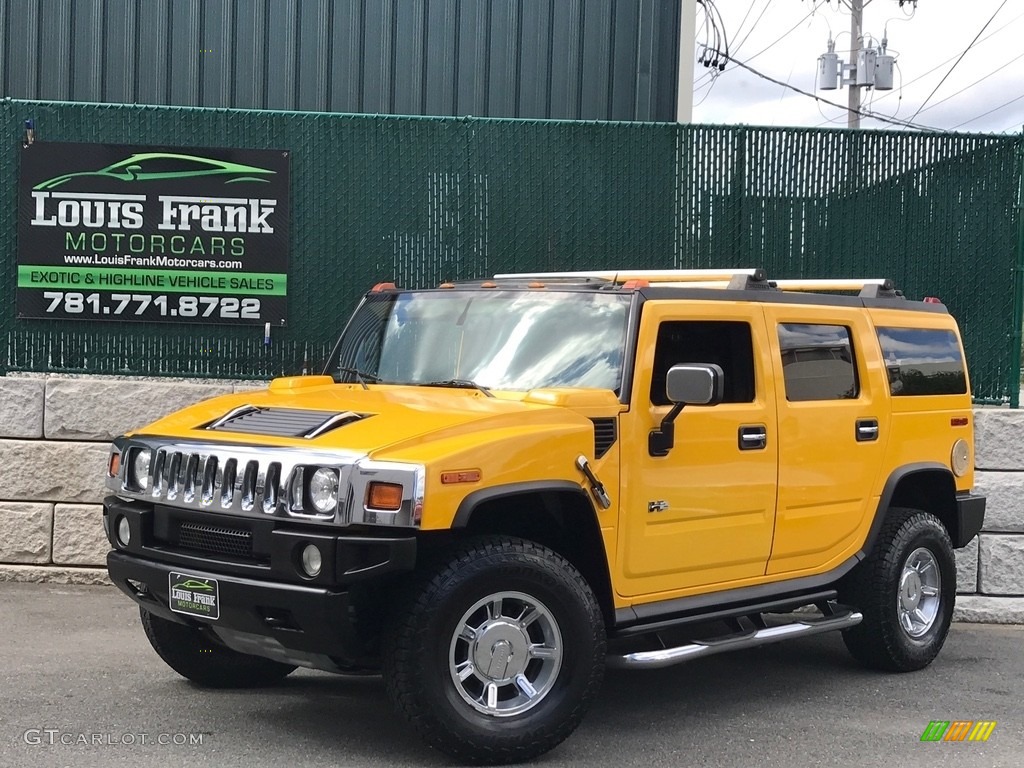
(558, 515)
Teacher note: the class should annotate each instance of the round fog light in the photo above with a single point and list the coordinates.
(312, 560)
(124, 532)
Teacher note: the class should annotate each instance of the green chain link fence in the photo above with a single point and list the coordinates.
(422, 200)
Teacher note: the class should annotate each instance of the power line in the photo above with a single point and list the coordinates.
(968, 87)
(728, 55)
(814, 7)
(752, 26)
(994, 109)
(944, 63)
(861, 112)
(925, 102)
(713, 75)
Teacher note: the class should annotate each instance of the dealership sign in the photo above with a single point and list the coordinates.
(112, 232)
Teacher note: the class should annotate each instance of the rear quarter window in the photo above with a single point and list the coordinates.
(923, 361)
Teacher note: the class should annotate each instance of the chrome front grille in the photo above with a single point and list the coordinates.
(203, 480)
(262, 481)
(242, 480)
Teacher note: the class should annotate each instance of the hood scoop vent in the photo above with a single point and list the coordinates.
(282, 422)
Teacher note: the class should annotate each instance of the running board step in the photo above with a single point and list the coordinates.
(666, 657)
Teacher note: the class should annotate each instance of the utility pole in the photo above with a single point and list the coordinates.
(867, 68)
(853, 92)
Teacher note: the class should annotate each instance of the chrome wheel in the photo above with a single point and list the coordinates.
(919, 597)
(505, 654)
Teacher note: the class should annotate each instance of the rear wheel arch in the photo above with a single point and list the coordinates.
(927, 486)
(558, 515)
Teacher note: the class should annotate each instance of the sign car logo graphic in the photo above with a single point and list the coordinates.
(152, 166)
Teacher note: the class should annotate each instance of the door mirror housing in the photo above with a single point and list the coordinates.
(686, 384)
(695, 384)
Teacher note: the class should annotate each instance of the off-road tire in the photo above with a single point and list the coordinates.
(422, 637)
(880, 641)
(200, 658)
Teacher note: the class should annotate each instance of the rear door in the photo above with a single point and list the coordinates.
(833, 428)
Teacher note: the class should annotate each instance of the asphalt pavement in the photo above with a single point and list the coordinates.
(80, 687)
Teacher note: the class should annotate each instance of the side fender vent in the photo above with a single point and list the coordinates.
(605, 434)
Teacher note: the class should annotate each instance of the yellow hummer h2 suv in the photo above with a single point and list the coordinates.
(495, 489)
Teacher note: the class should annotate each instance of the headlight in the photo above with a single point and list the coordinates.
(139, 473)
(323, 490)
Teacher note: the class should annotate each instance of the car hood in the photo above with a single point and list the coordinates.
(314, 412)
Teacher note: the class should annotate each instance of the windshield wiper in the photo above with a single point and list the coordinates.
(361, 376)
(458, 384)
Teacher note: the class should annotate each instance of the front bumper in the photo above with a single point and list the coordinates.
(265, 599)
(970, 516)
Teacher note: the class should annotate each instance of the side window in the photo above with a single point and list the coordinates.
(725, 343)
(922, 361)
(817, 362)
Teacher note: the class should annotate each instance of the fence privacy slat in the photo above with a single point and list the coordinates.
(422, 200)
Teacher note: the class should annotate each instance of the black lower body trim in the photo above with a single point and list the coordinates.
(311, 619)
(777, 595)
(970, 513)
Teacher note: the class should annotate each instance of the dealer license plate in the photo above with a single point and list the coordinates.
(194, 595)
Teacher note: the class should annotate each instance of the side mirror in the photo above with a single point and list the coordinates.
(695, 384)
(686, 384)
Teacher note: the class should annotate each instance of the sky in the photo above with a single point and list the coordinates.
(783, 39)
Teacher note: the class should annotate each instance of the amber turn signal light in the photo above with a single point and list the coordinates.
(385, 496)
(115, 464)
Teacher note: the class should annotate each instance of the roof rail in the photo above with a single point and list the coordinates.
(871, 287)
(732, 279)
(650, 275)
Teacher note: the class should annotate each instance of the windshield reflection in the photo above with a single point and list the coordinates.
(509, 340)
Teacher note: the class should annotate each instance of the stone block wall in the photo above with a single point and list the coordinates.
(991, 569)
(55, 432)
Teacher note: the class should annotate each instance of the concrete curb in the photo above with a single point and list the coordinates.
(51, 574)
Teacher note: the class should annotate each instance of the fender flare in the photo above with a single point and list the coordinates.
(476, 498)
(889, 491)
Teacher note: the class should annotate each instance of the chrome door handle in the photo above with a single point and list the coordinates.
(867, 430)
(753, 437)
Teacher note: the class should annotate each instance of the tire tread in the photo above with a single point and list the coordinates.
(878, 642)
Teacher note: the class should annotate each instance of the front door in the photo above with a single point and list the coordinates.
(703, 514)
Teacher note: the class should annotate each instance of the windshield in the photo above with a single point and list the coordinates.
(496, 339)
